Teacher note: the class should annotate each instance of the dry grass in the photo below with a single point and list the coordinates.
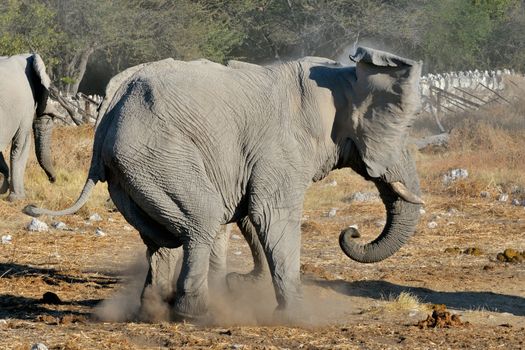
(71, 152)
(404, 301)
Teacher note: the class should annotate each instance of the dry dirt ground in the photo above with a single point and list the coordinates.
(347, 305)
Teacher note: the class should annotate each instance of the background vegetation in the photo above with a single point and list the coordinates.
(106, 36)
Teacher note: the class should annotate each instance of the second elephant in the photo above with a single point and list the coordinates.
(24, 91)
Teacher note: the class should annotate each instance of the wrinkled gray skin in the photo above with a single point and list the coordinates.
(24, 90)
(186, 147)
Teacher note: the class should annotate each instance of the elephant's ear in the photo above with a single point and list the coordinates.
(41, 85)
(385, 102)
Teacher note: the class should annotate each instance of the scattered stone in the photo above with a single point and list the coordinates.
(353, 230)
(511, 255)
(455, 174)
(99, 232)
(95, 217)
(452, 211)
(441, 318)
(39, 346)
(503, 197)
(235, 237)
(484, 194)
(238, 252)
(364, 196)
(432, 225)
(71, 318)
(516, 202)
(47, 319)
(225, 332)
(3, 322)
(422, 211)
(7, 239)
(50, 298)
(332, 183)
(310, 227)
(453, 250)
(332, 212)
(128, 228)
(473, 251)
(37, 226)
(59, 225)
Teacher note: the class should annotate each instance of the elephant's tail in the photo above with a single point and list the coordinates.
(82, 199)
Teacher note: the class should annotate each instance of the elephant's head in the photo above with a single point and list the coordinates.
(43, 123)
(381, 105)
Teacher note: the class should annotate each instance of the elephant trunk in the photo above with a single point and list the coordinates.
(42, 130)
(402, 210)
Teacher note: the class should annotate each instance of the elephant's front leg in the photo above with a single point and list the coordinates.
(279, 233)
(19, 154)
(4, 175)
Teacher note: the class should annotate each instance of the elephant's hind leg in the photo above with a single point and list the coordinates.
(159, 286)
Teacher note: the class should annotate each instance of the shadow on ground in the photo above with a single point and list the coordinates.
(461, 300)
(16, 306)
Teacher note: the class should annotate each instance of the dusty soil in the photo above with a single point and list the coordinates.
(347, 305)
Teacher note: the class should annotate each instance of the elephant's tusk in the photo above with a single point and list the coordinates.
(405, 193)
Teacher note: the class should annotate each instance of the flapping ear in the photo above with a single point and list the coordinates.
(385, 101)
(42, 85)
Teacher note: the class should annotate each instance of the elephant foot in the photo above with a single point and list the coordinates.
(153, 305)
(191, 308)
(13, 197)
(235, 280)
(291, 315)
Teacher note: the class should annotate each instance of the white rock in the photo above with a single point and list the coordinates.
(128, 228)
(235, 237)
(432, 224)
(484, 194)
(6, 239)
(332, 212)
(422, 211)
(59, 225)
(332, 183)
(364, 196)
(455, 174)
(3, 322)
(99, 232)
(95, 217)
(39, 346)
(503, 197)
(237, 252)
(516, 202)
(37, 226)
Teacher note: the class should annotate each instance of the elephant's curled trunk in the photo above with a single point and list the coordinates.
(43, 130)
(402, 211)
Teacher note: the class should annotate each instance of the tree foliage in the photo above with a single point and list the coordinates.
(72, 35)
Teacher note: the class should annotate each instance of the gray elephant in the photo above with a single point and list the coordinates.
(188, 146)
(24, 91)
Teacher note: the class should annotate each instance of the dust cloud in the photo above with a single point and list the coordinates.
(245, 304)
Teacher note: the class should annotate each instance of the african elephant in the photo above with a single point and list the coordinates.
(24, 90)
(188, 146)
